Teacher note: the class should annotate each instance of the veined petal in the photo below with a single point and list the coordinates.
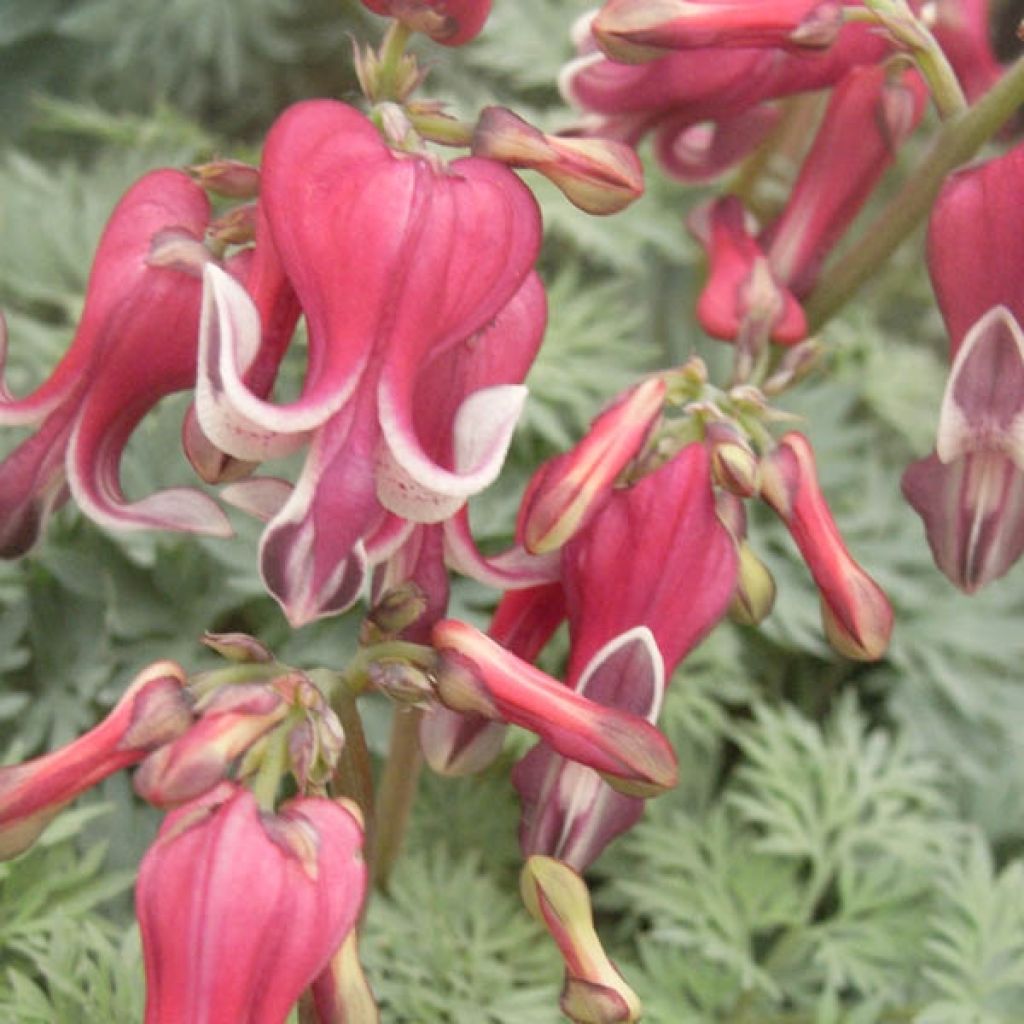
(415, 487)
(512, 569)
(983, 407)
(158, 200)
(312, 559)
(232, 417)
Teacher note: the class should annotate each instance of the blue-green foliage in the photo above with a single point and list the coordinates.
(842, 843)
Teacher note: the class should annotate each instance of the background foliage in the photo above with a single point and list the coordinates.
(844, 844)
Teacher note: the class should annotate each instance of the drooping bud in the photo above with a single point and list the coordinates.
(600, 176)
(238, 647)
(856, 614)
(229, 178)
(200, 759)
(570, 488)
(595, 991)
(236, 227)
(241, 911)
(341, 994)
(476, 674)
(395, 610)
(636, 31)
(755, 589)
(449, 22)
(734, 464)
(404, 683)
(153, 711)
(742, 301)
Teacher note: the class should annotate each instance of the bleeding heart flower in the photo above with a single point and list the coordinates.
(240, 910)
(423, 317)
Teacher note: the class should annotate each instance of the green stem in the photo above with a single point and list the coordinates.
(273, 765)
(959, 140)
(354, 776)
(392, 50)
(397, 792)
(447, 131)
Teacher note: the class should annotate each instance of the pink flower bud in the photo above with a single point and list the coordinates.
(451, 22)
(856, 614)
(566, 491)
(755, 588)
(634, 31)
(476, 674)
(153, 711)
(595, 992)
(599, 176)
(229, 178)
(240, 911)
(199, 759)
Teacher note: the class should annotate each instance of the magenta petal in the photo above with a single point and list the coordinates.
(459, 744)
(983, 407)
(261, 497)
(157, 201)
(232, 417)
(512, 569)
(311, 556)
(973, 512)
(32, 484)
(569, 811)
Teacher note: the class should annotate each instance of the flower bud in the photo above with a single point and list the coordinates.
(403, 683)
(755, 589)
(238, 647)
(636, 31)
(199, 759)
(229, 178)
(595, 992)
(734, 465)
(476, 674)
(341, 994)
(856, 614)
(396, 610)
(240, 911)
(566, 491)
(153, 711)
(600, 176)
(449, 22)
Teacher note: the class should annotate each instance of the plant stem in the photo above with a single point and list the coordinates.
(397, 791)
(272, 766)
(958, 141)
(354, 776)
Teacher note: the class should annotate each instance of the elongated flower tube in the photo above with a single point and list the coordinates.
(152, 712)
(568, 489)
(595, 991)
(743, 300)
(460, 743)
(451, 22)
(600, 176)
(970, 491)
(240, 911)
(634, 31)
(675, 586)
(870, 115)
(136, 343)
(855, 612)
(398, 262)
(476, 674)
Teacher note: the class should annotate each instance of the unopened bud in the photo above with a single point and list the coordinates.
(755, 589)
(236, 227)
(397, 609)
(229, 178)
(857, 615)
(341, 993)
(238, 647)
(402, 682)
(733, 514)
(595, 992)
(571, 487)
(600, 176)
(196, 762)
(734, 465)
